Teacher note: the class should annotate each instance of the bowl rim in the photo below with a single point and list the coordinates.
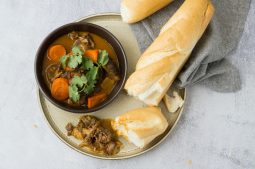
(109, 99)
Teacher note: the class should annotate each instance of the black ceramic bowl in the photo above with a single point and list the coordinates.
(87, 27)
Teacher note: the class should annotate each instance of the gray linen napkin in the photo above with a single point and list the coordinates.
(207, 63)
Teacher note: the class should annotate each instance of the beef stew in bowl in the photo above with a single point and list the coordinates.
(81, 70)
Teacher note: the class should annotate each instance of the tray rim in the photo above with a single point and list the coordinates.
(50, 125)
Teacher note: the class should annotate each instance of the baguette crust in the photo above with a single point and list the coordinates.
(135, 10)
(161, 62)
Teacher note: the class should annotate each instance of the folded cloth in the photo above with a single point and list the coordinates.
(207, 63)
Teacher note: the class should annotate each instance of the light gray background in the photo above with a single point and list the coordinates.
(216, 131)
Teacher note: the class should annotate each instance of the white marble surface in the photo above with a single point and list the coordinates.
(216, 131)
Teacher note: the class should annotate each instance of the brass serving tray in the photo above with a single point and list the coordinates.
(57, 118)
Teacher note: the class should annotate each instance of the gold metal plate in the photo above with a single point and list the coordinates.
(57, 118)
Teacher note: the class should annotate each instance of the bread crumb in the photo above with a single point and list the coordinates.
(189, 162)
(35, 126)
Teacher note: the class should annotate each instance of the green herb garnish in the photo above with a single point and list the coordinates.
(89, 88)
(76, 87)
(91, 75)
(63, 60)
(74, 61)
(85, 83)
(103, 58)
(76, 58)
(77, 51)
(74, 94)
(79, 81)
(87, 63)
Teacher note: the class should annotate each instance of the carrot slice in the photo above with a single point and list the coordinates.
(56, 52)
(92, 54)
(96, 99)
(68, 69)
(59, 89)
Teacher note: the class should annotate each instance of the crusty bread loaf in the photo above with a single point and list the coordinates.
(140, 126)
(136, 10)
(161, 62)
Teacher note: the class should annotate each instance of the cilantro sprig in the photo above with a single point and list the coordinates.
(74, 94)
(103, 58)
(63, 61)
(79, 81)
(76, 58)
(77, 51)
(73, 60)
(86, 82)
(87, 63)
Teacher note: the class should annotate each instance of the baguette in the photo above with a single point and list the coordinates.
(135, 10)
(140, 126)
(161, 62)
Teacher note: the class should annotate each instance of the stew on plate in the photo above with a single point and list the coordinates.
(96, 135)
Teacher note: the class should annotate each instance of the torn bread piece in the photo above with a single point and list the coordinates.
(173, 102)
(140, 126)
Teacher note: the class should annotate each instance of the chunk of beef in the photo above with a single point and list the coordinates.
(73, 35)
(112, 148)
(90, 121)
(103, 135)
(94, 135)
(69, 128)
(85, 42)
(112, 70)
(82, 101)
